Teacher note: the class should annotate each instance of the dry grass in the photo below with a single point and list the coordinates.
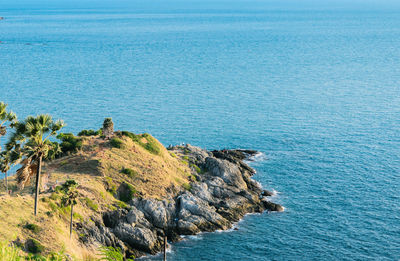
(157, 176)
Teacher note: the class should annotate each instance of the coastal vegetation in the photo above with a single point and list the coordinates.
(76, 178)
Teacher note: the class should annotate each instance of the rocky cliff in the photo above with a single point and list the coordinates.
(220, 193)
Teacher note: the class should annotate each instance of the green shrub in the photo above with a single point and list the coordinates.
(91, 204)
(53, 206)
(126, 192)
(151, 145)
(69, 143)
(112, 254)
(187, 186)
(132, 136)
(78, 216)
(90, 133)
(185, 162)
(33, 227)
(172, 154)
(33, 246)
(130, 172)
(198, 170)
(116, 143)
(122, 204)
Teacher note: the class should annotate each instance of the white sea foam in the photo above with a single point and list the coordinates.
(259, 156)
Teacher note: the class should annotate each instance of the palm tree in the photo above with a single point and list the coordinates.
(5, 165)
(6, 116)
(69, 198)
(30, 145)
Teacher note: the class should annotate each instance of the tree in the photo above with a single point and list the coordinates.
(5, 165)
(30, 145)
(69, 198)
(6, 116)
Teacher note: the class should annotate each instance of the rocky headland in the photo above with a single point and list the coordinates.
(221, 192)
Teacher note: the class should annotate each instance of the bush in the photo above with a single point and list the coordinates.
(90, 133)
(69, 143)
(112, 254)
(198, 170)
(33, 227)
(187, 186)
(151, 145)
(126, 192)
(91, 204)
(132, 136)
(130, 172)
(122, 204)
(116, 143)
(33, 246)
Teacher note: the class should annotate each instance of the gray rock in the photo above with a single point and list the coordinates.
(272, 206)
(138, 237)
(137, 218)
(198, 207)
(226, 170)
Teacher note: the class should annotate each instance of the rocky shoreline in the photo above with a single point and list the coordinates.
(221, 193)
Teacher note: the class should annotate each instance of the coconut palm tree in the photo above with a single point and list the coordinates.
(30, 145)
(70, 199)
(6, 116)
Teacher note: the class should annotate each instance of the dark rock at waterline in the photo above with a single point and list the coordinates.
(267, 193)
(272, 206)
(221, 195)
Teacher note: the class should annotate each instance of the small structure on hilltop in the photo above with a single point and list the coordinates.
(108, 128)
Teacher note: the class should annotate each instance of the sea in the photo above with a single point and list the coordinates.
(313, 85)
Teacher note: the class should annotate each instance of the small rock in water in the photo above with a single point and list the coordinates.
(267, 193)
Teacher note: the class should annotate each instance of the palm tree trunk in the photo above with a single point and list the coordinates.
(70, 224)
(6, 182)
(39, 169)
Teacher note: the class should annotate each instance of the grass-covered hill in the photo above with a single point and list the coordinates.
(109, 172)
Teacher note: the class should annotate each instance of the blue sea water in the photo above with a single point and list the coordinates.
(314, 86)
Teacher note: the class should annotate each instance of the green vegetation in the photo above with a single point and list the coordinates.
(33, 246)
(117, 143)
(126, 192)
(91, 204)
(88, 133)
(70, 198)
(33, 227)
(129, 172)
(198, 170)
(30, 145)
(69, 143)
(122, 204)
(145, 140)
(187, 186)
(112, 254)
(9, 252)
(7, 119)
(12, 252)
(110, 185)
